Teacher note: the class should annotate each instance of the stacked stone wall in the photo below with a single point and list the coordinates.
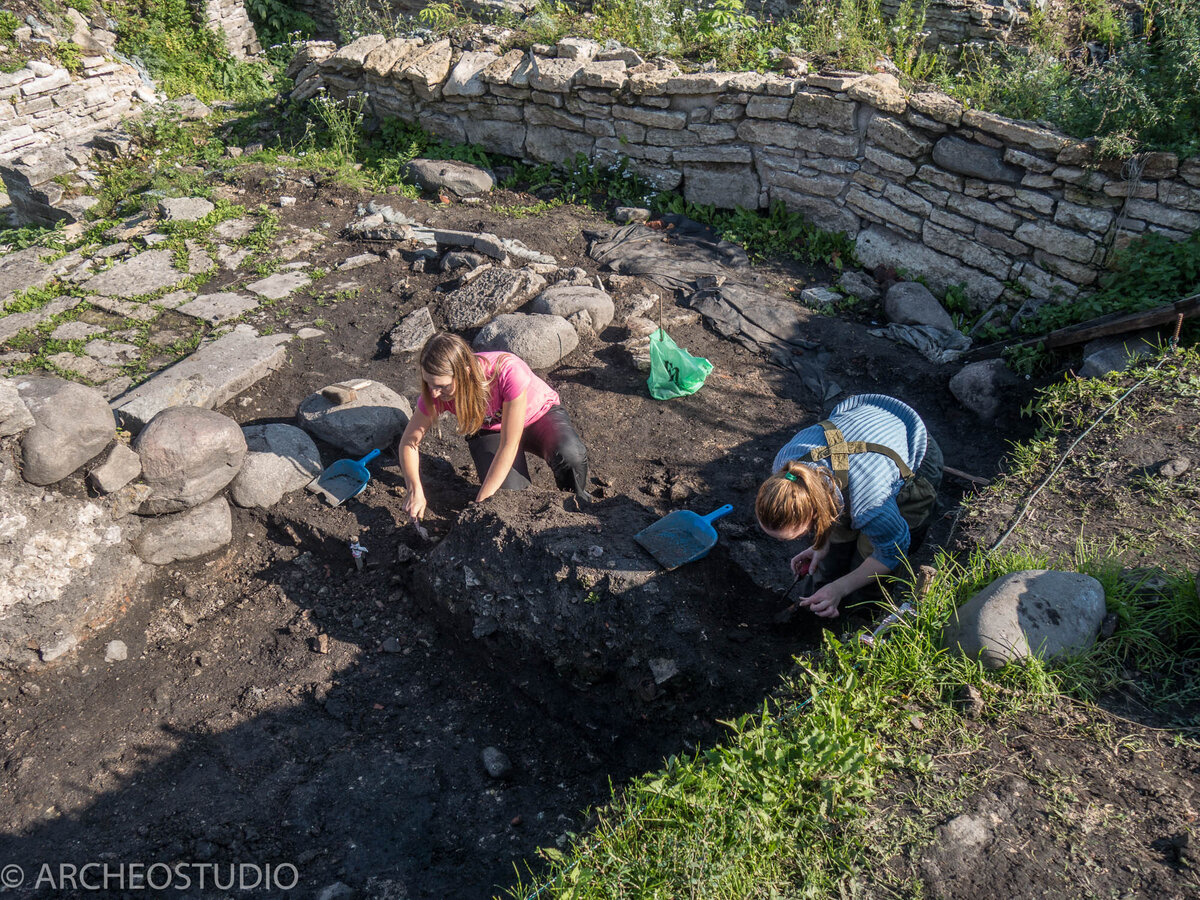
(229, 17)
(42, 105)
(1012, 210)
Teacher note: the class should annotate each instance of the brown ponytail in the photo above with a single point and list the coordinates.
(797, 496)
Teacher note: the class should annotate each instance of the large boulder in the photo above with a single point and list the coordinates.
(65, 569)
(911, 303)
(186, 535)
(374, 419)
(463, 179)
(1038, 612)
(188, 455)
(281, 459)
(566, 299)
(540, 340)
(72, 424)
(981, 386)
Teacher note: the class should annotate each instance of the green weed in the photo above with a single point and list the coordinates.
(9, 24)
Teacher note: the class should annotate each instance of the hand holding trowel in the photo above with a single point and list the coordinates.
(804, 578)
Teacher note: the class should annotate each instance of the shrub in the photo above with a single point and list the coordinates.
(183, 56)
(8, 26)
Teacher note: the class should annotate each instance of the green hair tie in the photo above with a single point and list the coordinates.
(790, 477)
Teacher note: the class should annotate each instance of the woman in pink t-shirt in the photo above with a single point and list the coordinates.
(503, 410)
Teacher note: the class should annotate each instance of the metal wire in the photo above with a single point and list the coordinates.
(1174, 343)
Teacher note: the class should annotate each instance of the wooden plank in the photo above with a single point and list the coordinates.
(1103, 326)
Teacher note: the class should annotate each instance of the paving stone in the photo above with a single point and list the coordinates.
(22, 270)
(279, 285)
(234, 229)
(75, 331)
(144, 274)
(85, 366)
(15, 322)
(175, 299)
(207, 378)
(112, 353)
(230, 257)
(184, 209)
(126, 309)
(218, 308)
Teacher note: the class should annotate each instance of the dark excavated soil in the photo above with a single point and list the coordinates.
(226, 737)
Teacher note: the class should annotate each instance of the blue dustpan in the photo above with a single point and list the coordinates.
(681, 537)
(343, 479)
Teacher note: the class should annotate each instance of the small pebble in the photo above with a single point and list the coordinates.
(495, 762)
(116, 651)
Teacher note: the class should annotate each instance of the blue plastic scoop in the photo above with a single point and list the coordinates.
(343, 479)
(681, 537)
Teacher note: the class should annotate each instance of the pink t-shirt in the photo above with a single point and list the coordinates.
(509, 376)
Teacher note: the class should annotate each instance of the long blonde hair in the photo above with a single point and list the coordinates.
(448, 354)
(799, 495)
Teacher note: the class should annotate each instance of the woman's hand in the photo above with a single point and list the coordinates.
(414, 504)
(823, 602)
(807, 560)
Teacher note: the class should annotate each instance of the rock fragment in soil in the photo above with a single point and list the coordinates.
(412, 332)
(14, 414)
(540, 340)
(983, 386)
(280, 459)
(188, 455)
(492, 292)
(372, 421)
(859, 285)
(1038, 612)
(212, 375)
(121, 467)
(72, 424)
(1118, 353)
(186, 535)
(1174, 467)
(911, 303)
(116, 651)
(495, 762)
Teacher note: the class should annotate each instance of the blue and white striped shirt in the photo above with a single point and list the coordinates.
(874, 479)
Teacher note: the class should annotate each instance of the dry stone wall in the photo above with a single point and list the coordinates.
(1016, 212)
(42, 105)
(229, 17)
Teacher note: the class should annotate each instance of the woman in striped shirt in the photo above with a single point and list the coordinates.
(864, 480)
